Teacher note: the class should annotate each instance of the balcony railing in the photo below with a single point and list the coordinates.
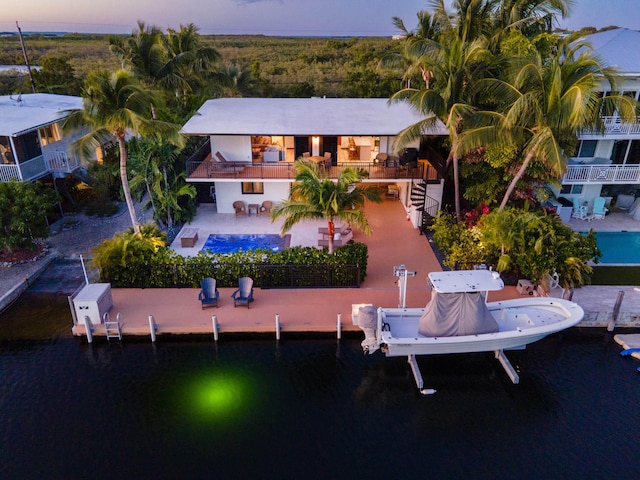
(602, 174)
(285, 171)
(9, 172)
(613, 125)
(59, 162)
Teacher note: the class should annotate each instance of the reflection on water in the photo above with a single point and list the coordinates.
(314, 409)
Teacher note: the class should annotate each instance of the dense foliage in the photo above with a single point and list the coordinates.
(23, 214)
(292, 67)
(520, 243)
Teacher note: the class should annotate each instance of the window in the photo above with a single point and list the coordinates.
(633, 157)
(571, 189)
(587, 148)
(6, 155)
(49, 134)
(252, 187)
(619, 151)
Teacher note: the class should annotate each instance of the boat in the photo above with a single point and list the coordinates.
(458, 319)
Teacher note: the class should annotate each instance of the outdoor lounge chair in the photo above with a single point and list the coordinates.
(209, 294)
(265, 208)
(239, 208)
(599, 210)
(579, 211)
(244, 294)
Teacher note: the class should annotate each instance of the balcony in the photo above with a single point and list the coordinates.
(208, 170)
(59, 162)
(614, 127)
(621, 174)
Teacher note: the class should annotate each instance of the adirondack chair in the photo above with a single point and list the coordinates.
(209, 294)
(244, 294)
(599, 210)
(579, 211)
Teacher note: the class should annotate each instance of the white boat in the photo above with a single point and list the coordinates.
(459, 320)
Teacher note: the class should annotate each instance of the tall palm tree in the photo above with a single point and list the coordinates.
(313, 197)
(114, 105)
(546, 105)
(457, 66)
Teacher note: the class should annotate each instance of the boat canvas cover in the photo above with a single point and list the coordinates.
(455, 314)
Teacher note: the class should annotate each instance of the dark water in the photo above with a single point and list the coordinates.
(314, 409)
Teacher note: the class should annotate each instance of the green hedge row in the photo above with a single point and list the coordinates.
(169, 270)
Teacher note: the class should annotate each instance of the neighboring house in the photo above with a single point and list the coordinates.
(252, 144)
(32, 144)
(608, 164)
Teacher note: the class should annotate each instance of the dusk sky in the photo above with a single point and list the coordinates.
(268, 17)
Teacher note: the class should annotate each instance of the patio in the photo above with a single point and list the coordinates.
(616, 221)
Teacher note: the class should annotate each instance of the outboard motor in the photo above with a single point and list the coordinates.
(368, 322)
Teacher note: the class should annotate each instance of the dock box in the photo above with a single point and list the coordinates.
(524, 287)
(93, 301)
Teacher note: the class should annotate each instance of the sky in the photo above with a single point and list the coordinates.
(266, 17)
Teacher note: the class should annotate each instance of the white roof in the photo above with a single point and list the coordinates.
(22, 113)
(618, 48)
(303, 116)
(457, 281)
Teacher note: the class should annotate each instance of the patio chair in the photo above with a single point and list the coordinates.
(265, 208)
(244, 294)
(599, 210)
(239, 208)
(209, 294)
(579, 211)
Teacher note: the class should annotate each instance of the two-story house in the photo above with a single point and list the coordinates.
(252, 144)
(32, 144)
(608, 164)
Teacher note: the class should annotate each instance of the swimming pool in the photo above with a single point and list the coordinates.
(229, 243)
(619, 247)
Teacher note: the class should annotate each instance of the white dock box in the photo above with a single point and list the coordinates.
(93, 301)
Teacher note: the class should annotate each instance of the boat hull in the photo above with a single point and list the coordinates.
(521, 322)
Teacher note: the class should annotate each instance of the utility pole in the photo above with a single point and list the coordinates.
(26, 59)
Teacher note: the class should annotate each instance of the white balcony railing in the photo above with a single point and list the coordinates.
(9, 172)
(59, 162)
(613, 125)
(602, 174)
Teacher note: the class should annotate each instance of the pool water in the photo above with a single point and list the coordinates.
(228, 243)
(619, 247)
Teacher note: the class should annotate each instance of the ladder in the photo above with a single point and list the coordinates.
(112, 329)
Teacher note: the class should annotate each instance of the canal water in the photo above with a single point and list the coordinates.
(311, 408)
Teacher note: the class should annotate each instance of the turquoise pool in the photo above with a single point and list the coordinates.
(619, 247)
(228, 243)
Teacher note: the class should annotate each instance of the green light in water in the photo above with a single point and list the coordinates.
(220, 395)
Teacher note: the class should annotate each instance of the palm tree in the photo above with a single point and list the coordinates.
(545, 106)
(114, 105)
(316, 198)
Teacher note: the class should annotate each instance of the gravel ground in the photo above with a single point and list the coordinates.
(67, 244)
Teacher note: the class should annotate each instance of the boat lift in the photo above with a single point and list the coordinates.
(402, 273)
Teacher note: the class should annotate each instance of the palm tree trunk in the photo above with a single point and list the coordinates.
(331, 230)
(456, 186)
(125, 184)
(519, 174)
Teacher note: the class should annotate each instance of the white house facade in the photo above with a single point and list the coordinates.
(32, 144)
(252, 144)
(608, 164)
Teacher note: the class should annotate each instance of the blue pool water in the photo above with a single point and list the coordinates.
(227, 243)
(619, 247)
